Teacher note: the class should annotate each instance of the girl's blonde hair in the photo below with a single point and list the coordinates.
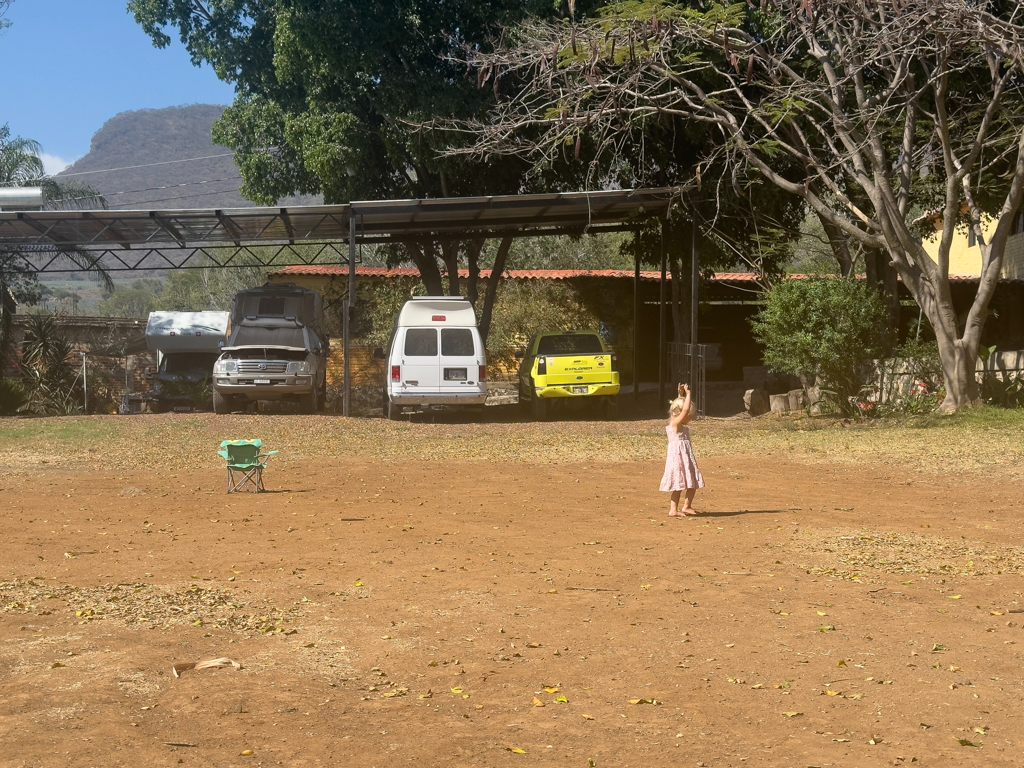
(676, 406)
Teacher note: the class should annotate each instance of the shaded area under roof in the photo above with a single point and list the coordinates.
(169, 239)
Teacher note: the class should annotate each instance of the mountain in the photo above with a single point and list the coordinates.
(163, 159)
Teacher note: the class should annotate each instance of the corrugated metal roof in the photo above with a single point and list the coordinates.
(375, 220)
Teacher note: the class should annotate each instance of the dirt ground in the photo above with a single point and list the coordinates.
(404, 609)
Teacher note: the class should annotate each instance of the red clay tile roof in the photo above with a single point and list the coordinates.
(537, 274)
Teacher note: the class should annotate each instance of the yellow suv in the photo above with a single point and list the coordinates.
(567, 364)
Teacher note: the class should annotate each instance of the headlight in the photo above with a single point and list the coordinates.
(302, 367)
(225, 366)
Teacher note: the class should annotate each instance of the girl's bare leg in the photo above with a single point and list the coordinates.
(673, 505)
(688, 504)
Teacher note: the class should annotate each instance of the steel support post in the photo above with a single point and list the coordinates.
(694, 280)
(347, 311)
(661, 318)
(636, 326)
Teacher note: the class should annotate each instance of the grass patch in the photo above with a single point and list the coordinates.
(980, 438)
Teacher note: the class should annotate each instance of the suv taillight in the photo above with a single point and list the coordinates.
(396, 372)
(542, 366)
(483, 373)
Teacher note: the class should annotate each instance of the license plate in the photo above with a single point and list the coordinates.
(580, 390)
(261, 381)
(454, 374)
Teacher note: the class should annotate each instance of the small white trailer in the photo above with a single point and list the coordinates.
(187, 346)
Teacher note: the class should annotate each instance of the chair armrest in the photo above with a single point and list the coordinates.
(269, 453)
(223, 454)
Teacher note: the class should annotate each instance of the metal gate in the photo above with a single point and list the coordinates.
(686, 364)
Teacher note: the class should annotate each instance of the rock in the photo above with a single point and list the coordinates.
(755, 401)
(779, 403)
(796, 399)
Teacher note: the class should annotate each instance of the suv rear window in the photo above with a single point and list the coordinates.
(456, 341)
(570, 344)
(271, 306)
(421, 342)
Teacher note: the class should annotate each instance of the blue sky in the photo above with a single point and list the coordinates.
(70, 65)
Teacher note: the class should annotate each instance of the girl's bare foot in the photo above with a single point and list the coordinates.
(676, 514)
(689, 512)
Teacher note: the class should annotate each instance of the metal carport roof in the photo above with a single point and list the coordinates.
(168, 239)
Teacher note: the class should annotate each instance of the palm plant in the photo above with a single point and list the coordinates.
(21, 165)
(52, 381)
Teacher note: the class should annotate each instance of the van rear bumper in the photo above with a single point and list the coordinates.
(411, 400)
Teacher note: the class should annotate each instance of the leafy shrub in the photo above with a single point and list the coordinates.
(830, 328)
(910, 382)
(12, 397)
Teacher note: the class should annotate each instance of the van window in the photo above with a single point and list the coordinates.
(456, 341)
(421, 342)
(570, 344)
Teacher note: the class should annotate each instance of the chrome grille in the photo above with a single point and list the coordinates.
(255, 367)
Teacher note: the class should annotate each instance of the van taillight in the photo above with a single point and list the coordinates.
(542, 366)
(483, 373)
(437, 318)
(396, 372)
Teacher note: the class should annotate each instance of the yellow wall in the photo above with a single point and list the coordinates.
(966, 260)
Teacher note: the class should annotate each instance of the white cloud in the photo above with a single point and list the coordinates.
(52, 164)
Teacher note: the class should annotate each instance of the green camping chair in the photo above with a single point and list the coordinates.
(244, 459)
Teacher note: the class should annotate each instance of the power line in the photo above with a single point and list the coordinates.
(172, 186)
(182, 197)
(146, 165)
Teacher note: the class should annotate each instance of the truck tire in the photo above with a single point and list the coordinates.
(540, 408)
(308, 402)
(391, 411)
(221, 403)
(610, 408)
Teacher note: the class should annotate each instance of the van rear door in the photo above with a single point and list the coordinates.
(460, 360)
(420, 361)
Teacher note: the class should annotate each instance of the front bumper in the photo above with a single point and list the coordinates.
(571, 390)
(279, 388)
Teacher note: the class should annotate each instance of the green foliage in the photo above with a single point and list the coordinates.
(831, 328)
(197, 393)
(21, 165)
(137, 299)
(12, 397)
(910, 382)
(51, 376)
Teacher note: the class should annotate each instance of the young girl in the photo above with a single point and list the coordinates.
(681, 473)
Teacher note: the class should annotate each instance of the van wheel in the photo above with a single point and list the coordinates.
(221, 403)
(540, 408)
(308, 403)
(321, 399)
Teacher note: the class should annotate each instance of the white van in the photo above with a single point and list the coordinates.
(435, 357)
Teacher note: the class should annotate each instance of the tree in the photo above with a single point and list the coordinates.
(4, 21)
(330, 96)
(871, 112)
(22, 166)
(830, 328)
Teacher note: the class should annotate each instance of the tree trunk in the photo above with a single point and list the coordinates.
(959, 369)
(882, 274)
(450, 257)
(497, 269)
(840, 245)
(422, 255)
(473, 248)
